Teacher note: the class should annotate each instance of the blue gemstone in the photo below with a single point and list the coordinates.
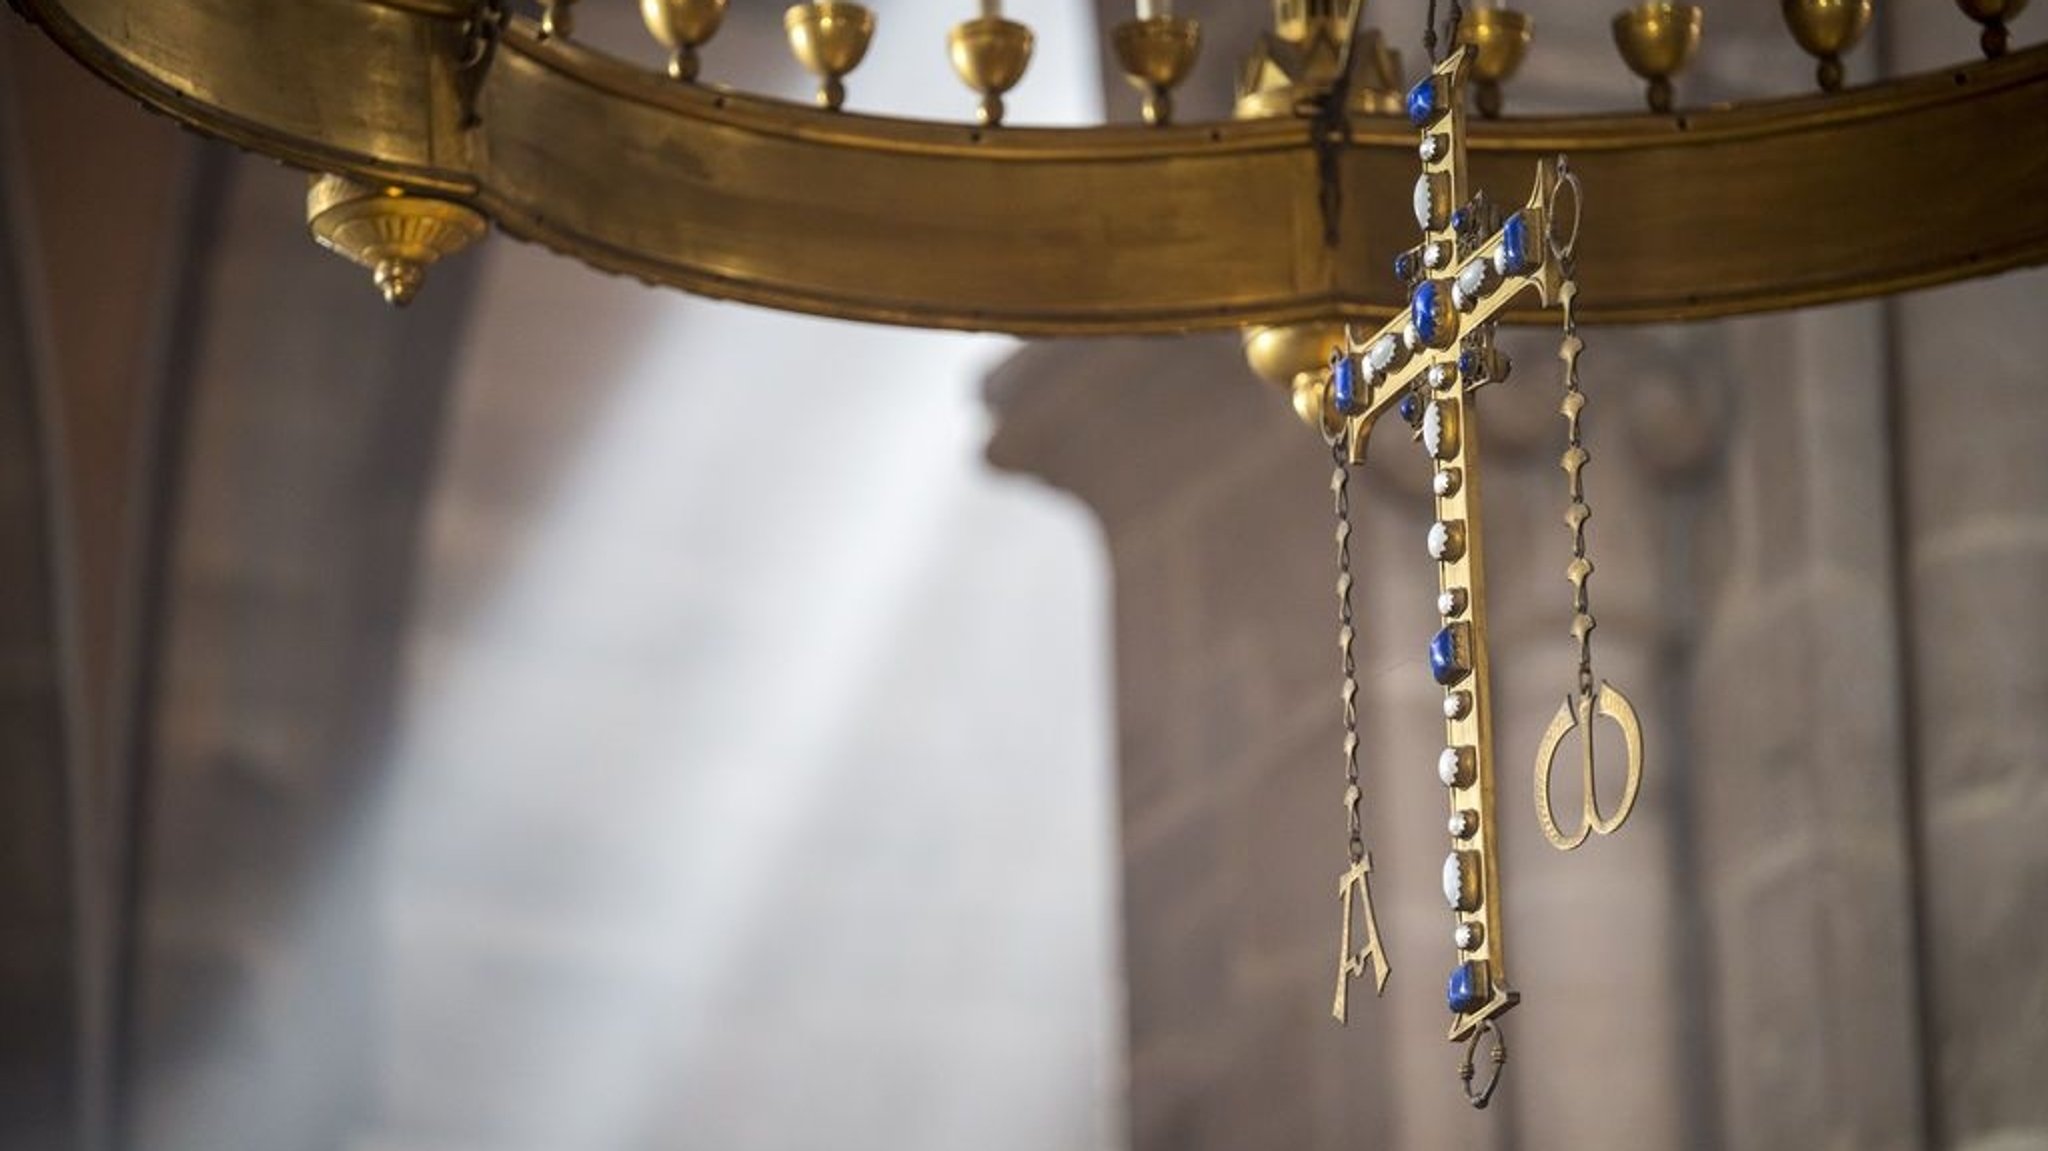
(1344, 385)
(1465, 991)
(1514, 245)
(1422, 102)
(1468, 364)
(1408, 408)
(1425, 310)
(1446, 662)
(1404, 267)
(1459, 219)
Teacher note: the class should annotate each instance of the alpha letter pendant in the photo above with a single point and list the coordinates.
(1353, 890)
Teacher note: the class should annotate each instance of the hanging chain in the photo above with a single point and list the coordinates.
(1429, 40)
(1574, 461)
(1340, 494)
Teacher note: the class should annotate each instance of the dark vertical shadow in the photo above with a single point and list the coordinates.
(41, 1053)
(158, 479)
(1905, 591)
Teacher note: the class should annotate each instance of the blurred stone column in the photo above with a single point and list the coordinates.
(1215, 505)
(1974, 434)
(1972, 438)
(1800, 773)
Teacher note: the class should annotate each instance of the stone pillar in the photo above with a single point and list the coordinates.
(1217, 516)
(1971, 421)
(1973, 426)
(1799, 782)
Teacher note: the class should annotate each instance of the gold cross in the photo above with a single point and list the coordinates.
(1465, 280)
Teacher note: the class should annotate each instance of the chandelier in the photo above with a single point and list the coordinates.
(428, 118)
(425, 121)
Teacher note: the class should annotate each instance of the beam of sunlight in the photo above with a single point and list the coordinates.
(756, 785)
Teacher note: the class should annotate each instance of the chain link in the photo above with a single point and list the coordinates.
(1574, 462)
(1347, 634)
(1429, 38)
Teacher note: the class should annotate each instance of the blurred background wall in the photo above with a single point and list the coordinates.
(569, 717)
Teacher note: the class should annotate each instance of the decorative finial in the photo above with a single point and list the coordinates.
(396, 234)
(1293, 68)
(829, 38)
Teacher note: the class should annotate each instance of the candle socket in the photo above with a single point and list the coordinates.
(1156, 54)
(829, 38)
(1993, 15)
(1498, 38)
(1657, 40)
(1826, 29)
(990, 54)
(682, 26)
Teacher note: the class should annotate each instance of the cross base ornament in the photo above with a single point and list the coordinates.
(1427, 365)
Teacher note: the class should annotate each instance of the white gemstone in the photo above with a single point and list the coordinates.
(1433, 254)
(1451, 602)
(1465, 936)
(1439, 540)
(1456, 704)
(1454, 882)
(1410, 338)
(1472, 278)
(1439, 376)
(1500, 261)
(1463, 824)
(1381, 355)
(1432, 147)
(1445, 482)
(1433, 430)
(1425, 203)
(1450, 768)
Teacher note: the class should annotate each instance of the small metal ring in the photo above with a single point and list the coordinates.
(1498, 1057)
(1566, 178)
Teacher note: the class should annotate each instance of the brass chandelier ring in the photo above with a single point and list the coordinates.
(1918, 181)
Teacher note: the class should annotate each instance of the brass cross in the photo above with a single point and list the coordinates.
(1465, 273)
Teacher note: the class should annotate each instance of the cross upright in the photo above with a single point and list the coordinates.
(1426, 363)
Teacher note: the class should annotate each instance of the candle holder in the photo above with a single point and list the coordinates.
(990, 54)
(682, 26)
(557, 19)
(829, 38)
(1156, 54)
(1498, 38)
(1826, 29)
(1993, 15)
(1656, 41)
